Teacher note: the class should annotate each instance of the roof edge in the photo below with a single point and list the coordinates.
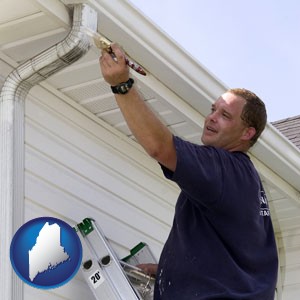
(148, 44)
(279, 154)
(152, 49)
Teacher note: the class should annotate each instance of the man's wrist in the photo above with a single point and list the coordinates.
(123, 87)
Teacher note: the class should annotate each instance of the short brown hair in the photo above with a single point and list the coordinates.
(254, 113)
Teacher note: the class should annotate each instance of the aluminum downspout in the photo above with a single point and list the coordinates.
(12, 148)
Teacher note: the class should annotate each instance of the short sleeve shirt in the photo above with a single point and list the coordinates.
(221, 244)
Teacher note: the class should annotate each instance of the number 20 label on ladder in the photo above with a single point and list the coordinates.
(96, 279)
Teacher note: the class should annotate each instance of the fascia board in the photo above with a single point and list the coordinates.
(172, 66)
(158, 53)
(279, 154)
(57, 9)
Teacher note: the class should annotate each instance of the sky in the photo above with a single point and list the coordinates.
(253, 44)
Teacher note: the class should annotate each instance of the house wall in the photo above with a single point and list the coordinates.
(287, 232)
(289, 250)
(77, 167)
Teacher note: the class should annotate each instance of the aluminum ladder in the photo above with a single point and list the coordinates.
(108, 277)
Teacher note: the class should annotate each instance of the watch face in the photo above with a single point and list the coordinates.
(123, 89)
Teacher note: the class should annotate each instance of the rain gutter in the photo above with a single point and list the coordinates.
(166, 60)
(12, 148)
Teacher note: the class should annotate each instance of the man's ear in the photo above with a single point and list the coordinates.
(248, 133)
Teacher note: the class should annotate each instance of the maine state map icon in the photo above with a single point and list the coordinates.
(46, 252)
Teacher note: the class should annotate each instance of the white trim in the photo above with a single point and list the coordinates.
(280, 155)
(171, 64)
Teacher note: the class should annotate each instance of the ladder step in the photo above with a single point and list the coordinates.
(108, 277)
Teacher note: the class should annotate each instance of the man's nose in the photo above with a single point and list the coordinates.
(213, 116)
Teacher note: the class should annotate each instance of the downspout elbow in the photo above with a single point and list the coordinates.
(12, 148)
(52, 60)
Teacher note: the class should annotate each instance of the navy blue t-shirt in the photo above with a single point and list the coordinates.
(221, 245)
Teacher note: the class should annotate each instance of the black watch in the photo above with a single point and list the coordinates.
(123, 87)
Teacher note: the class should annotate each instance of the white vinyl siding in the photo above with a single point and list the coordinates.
(76, 168)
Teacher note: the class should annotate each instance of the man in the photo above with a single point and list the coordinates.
(221, 245)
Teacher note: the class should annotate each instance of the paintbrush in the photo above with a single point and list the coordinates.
(104, 44)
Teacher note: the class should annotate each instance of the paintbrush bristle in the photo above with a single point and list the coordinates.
(102, 43)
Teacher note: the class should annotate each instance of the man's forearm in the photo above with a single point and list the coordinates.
(149, 131)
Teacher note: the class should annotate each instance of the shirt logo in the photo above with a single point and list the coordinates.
(264, 206)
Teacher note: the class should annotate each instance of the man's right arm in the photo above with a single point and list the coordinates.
(149, 269)
(149, 131)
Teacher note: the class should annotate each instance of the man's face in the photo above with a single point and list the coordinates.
(224, 127)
